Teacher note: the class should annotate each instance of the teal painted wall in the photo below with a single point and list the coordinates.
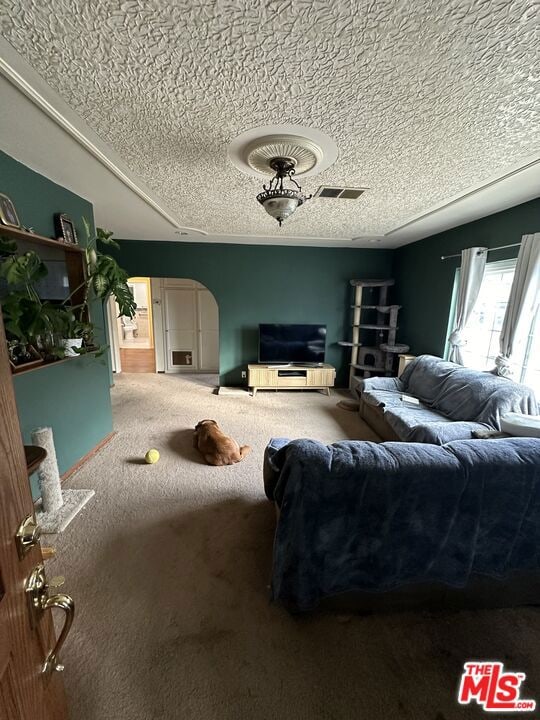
(73, 397)
(424, 282)
(254, 284)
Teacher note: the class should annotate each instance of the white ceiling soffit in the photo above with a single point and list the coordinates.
(517, 185)
(38, 128)
(440, 137)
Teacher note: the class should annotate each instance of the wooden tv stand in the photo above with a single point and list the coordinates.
(291, 377)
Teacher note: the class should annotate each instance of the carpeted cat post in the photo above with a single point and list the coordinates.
(58, 508)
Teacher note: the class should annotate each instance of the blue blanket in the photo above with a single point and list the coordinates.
(367, 516)
(454, 401)
(461, 393)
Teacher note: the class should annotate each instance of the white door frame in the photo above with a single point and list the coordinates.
(158, 313)
(114, 344)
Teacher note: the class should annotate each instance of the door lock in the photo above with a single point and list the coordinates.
(27, 536)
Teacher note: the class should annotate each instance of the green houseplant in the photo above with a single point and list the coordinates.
(31, 324)
(34, 325)
(104, 277)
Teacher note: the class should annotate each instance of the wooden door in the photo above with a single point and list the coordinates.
(181, 346)
(208, 330)
(26, 693)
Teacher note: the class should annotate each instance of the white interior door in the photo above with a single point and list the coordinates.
(181, 344)
(208, 330)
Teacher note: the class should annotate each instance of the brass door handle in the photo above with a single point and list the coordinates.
(65, 603)
(39, 601)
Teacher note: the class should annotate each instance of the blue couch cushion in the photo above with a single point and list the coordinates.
(382, 398)
(404, 418)
(418, 423)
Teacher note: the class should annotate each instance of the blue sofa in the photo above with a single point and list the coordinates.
(454, 402)
(372, 518)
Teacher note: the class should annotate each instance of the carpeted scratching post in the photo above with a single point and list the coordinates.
(49, 478)
(58, 509)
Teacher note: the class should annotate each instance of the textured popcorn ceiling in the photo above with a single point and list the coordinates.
(423, 100)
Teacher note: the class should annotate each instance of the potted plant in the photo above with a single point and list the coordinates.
(31, 324)
(74, 333)
(23, 355)
(104, 277)
(38, 330)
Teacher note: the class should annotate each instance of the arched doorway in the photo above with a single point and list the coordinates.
(175, 329)
(186, 322)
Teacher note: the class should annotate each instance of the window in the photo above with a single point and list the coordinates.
(484, 328)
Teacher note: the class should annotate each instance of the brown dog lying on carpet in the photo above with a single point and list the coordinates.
(216, 447)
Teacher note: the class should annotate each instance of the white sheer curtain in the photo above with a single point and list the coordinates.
(523, 300)
(473, 264)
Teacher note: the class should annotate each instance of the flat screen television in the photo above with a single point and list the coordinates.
(54, 286)
(292, 344)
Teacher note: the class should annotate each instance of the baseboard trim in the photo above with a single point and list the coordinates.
(85, 458)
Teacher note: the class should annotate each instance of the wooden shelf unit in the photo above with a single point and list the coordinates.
(74, 257)
(373, 326)
(272, 377)
(18, 234)
(75, 261)
(52, 363)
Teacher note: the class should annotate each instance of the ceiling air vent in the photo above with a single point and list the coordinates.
(340, 193)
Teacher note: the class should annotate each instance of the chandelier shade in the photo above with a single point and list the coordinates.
(278, 201)
(280, 204)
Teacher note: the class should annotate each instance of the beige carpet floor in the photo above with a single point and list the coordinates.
(169, 566)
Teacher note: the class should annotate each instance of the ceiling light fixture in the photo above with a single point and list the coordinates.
(278, 201)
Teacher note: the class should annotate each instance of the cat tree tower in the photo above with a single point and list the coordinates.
(372, 313)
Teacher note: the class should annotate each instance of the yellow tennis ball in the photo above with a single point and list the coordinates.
(152, 456)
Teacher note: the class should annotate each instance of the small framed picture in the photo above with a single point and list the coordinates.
(65, 229)
(8, 214)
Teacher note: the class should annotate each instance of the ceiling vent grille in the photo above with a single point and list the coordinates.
(339, 193)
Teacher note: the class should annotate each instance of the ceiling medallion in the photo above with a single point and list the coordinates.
(278, 201)
(262, 150)
(283, 152)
